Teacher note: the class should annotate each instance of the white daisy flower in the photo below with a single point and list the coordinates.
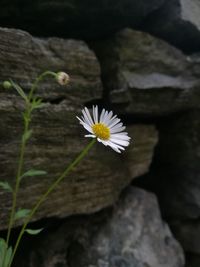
(108, 129)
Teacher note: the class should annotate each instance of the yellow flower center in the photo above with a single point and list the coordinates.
(101, 131)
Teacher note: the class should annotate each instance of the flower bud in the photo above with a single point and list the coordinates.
(62, 78)
(7, 85)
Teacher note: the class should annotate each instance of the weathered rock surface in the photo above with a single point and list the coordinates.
(178, 22)
(75, 18)
(57, 135)
(24, 57)
(147, 76)
(132, 234)
(175, 177)
(188, 232)
(178, 154)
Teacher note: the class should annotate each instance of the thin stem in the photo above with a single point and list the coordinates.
(50, 189)
(38, 79)
(27, 120)
(17, 184)
(15, 192)
(22, 149)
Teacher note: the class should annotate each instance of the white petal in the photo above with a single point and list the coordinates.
(119, 142)
(101, 141)
(90, 135)
(120, 136)
(123, 133)
(115, 147)
(117, 128)
(87, 127)
(87, 116)
(111, 120)
(116, 121)
(96, 110)
(95, 114)
(120, 124)
(102, 115)
(81, 121)
(108, 117)
(110, 114)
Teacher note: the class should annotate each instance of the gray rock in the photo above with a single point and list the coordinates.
(131, 235)
(178, 22)
(75, 18)
(57, 136)
(178, 186)
(146, 76)
(178, 153)
(24, 57)
(135, 236)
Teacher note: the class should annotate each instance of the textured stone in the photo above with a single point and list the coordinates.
(178, 154)
(75, 18)
(57, 136)
(178, 22)
(24, 57)
(129, 239)
(188, 232)
(131, 235)
(147, 76)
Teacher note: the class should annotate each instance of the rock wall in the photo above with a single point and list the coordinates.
(119, 236)
(57, 133)
(140, 59)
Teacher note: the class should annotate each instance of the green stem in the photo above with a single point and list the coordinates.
(22, 149)
(38, 79)
(50, 189)
(15, 192)
(27, 120)
(16, 189)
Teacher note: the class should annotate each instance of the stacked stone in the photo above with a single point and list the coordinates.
(131, 59)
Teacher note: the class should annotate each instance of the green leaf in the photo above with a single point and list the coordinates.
(21, 213)
(37, 103)
(27, 135)
(4, 251)
(2, 246)
(19, 90)
(41, 105)
(33, 231)
(8, 256)
(2, 242)
(6, 186)
(34, 172)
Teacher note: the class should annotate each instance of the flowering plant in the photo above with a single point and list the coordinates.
(106, 128)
